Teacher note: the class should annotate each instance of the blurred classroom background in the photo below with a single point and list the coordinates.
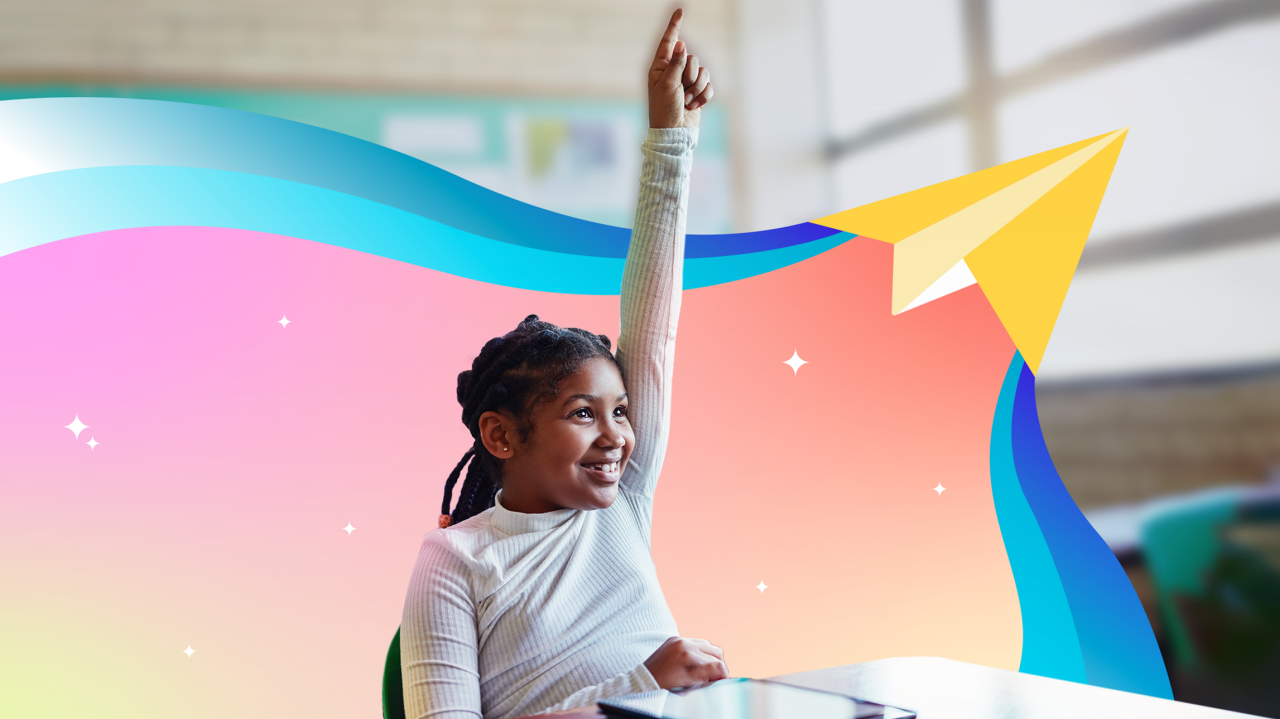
(1160, 391)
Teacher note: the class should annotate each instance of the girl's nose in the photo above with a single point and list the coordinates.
(613, 439)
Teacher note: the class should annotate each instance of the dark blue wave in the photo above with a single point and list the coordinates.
(1116, 641)
(77, 133)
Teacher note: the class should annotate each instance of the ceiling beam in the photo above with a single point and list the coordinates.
(1238, 227)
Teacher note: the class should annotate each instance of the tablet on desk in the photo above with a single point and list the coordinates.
(745, 699)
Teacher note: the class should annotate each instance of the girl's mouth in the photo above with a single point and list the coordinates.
(603, 471)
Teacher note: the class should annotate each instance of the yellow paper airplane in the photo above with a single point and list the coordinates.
(1016, 229)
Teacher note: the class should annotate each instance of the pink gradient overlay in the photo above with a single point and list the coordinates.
(234, 450)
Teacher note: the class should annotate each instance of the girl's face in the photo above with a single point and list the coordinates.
(579, 445)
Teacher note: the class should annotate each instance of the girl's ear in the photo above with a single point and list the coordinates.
(497, 430)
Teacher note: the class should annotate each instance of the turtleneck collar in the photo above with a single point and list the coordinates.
(519, 523)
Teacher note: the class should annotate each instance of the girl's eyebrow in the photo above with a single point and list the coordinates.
(590, 398)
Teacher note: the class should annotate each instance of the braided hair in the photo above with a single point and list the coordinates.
(513, 372)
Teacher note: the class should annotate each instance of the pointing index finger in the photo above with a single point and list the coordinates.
(667, 45)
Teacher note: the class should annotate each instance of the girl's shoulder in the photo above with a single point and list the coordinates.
(464, 539)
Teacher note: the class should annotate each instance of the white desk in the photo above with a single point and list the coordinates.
(946, 689)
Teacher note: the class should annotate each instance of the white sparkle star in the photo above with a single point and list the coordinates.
(349, 529)
(92, 443)
(795, 362)
(762, 586)
(76, 425)
(284, 321)
(188, 651)
(939, 489)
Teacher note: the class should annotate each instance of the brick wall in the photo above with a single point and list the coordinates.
(1117, 444)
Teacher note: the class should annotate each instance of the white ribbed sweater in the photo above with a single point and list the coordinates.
(510, 614)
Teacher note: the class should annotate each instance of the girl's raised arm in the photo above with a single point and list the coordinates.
(651, 280)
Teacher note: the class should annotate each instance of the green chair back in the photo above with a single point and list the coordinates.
(1180, 542)
(392, 684)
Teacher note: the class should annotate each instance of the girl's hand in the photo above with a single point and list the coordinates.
(682, 662)
(678, 86)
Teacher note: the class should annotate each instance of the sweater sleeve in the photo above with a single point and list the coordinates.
(438, 646)
(636, 679)
(650, 303)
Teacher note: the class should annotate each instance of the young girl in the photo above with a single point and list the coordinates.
(539, 593)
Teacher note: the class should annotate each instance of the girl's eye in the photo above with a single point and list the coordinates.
(584, 413)
(620, 412)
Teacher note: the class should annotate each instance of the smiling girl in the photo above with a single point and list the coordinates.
(540, 592)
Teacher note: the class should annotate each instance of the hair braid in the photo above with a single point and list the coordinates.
(448, 486)
(512, 372)
(477, 492)
(467, 498)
